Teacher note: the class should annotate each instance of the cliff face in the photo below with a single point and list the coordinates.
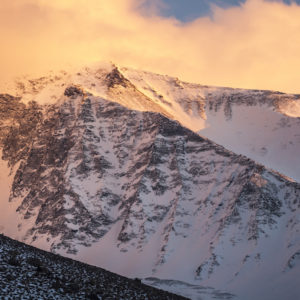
(137, 193)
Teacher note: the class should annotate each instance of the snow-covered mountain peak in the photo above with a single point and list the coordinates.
(106, 173)
(263, 125)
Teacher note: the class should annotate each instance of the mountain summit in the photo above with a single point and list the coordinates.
(107, 166)
(262, 125)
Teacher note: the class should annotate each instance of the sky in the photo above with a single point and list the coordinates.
(247, 44)
(188, 10)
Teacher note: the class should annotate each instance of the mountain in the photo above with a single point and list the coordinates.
(262, 125)
(95, 168)
(29, 273)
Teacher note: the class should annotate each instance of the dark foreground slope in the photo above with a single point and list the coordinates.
(29, 273)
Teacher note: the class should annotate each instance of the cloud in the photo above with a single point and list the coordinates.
(255, 45)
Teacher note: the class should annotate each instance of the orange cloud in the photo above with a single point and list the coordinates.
(256, 45)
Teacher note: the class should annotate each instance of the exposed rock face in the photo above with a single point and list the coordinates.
(73, 91)
(262, 125)
(115, 78)
(91, 175)
(231, 97)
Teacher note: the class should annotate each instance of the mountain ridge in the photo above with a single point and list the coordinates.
(135, 192)
(262, 125)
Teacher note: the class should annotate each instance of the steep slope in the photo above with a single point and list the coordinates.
(262, 125)
(29, 273)
(142, 196)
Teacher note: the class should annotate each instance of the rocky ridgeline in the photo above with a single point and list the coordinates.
(234, 97)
